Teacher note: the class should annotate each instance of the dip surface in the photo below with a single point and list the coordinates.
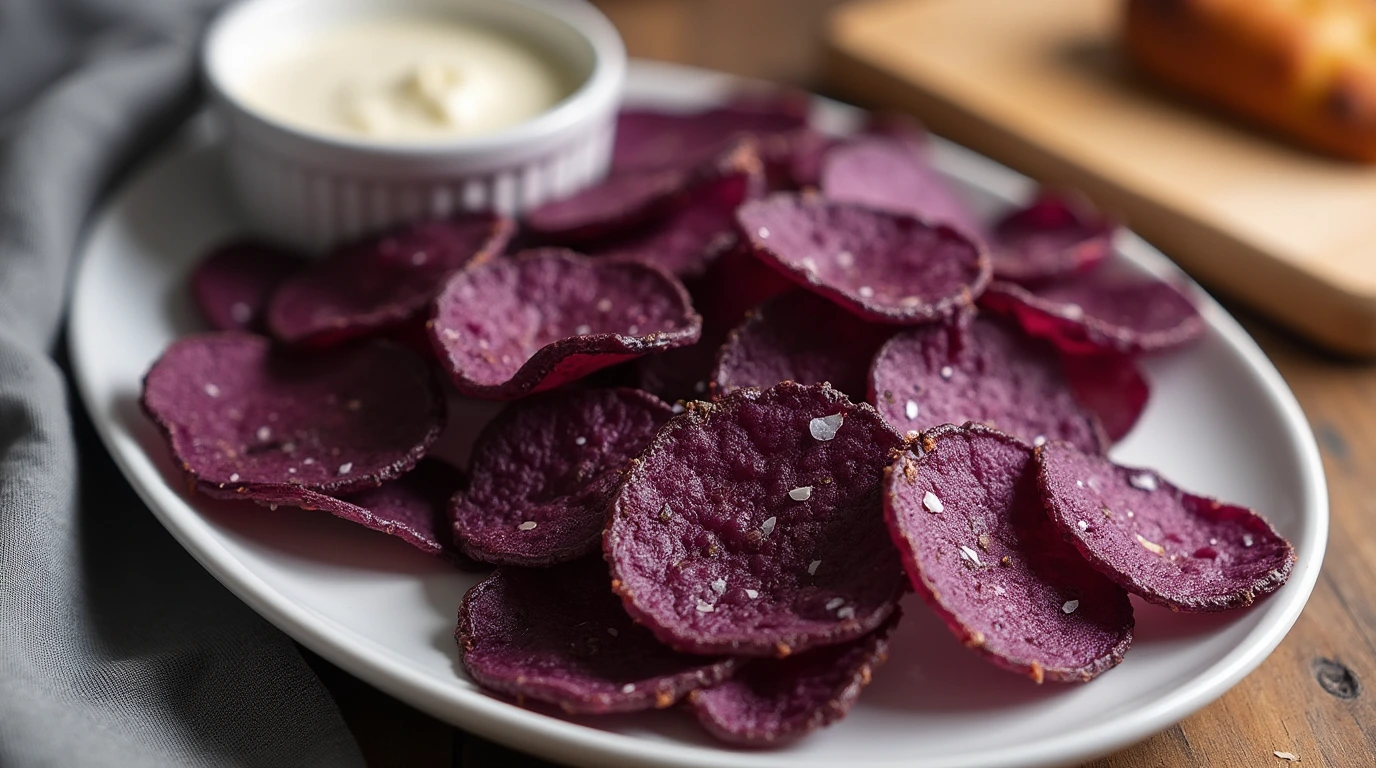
(404, 79)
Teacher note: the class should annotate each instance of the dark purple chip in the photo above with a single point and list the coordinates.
(617, 204)
(1183, 551)
(799, 336)
(967, 515)
(381, 283)
(752, 526)
(1111, 386)
(885, 267)
(233, 283)
(699, 225)
(648, 140)
(413, 508)
(774, 701)
(241, 416)
(1097, 313)
(986, 372)
(559, 635)
(1050, 238)
(512, 327)
(893, 174)
(544, 473)
(680, 374)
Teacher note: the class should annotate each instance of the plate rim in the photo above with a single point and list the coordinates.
(562, 740)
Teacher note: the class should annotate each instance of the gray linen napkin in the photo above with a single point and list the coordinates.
(116, 648)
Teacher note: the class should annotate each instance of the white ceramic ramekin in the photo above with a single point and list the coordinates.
(311, 190)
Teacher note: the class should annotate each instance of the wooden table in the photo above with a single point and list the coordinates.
(1309, 698)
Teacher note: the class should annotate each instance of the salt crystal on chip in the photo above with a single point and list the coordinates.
(825, 427)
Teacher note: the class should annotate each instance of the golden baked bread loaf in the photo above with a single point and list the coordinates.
(1306, 68)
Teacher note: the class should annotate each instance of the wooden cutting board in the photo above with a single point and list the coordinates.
(1040, 86)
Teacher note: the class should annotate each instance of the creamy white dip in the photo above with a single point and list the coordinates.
(404, 79)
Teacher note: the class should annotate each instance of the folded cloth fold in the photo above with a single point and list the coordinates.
(116, 648)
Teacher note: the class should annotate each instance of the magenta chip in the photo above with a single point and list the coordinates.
(559, 635)
(799, 336)
(986, 372)
(885, 267)
(544, 473)
(242, 417)
(233, 283)
(979, 548)
(647, 140)
(512, 327)
(413, 508)
(752, 526)
(1111, 386)
(774, 701)
(698, 226)
(893, 174)
(1096, 313)
(1050, 238)
(1187, 552)
(381, 283)
(617, 204)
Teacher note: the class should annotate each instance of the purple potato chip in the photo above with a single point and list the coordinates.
(774, 701)
(1111, 386)
(967, 515)
(617, 204)
(1049, 238)
(987, 372)
(1183, 551)
(699, 225)
(381, 283)
(893, 174)
(233, 283)
(512, 327)
(799, 336)
(413, 508)
(885, 267)
(752, 526)
(559, 635)
(647, 140)
(680, 374)
(242, 416)
(1092, 313)
(545, 471)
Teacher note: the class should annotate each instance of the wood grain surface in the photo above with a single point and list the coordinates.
(1310, 698)
(1043, 87)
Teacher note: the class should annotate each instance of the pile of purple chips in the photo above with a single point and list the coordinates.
(882, 392)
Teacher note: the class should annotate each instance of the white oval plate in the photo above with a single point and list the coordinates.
(1221, 421)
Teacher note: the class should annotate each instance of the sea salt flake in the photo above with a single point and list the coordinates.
(678, 408)
(767, 527)
(1150, 545)
(947, 372)
(825, 428)
(752, 594)
(999, 590)
(264, 434)
(528, 525)
(346, 467)
(1039, 440)
(835, 602)
(234, 478)
(932, 503)
(1143, 482)
(308, 462)
(813, 566)
(801, 494)
(719, 586)
(846, 613)
(866, 292)
(846, 259)
(1074, 311)
(583, 330)
(910, 410)
(969, 554)
(910, 301)
(628, 688)
(1082, 525)
(580, 440)
(705, 608)
(1070, 605)
(1247, 540)
(1079, 483)
(212, 390)
(763, 232)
